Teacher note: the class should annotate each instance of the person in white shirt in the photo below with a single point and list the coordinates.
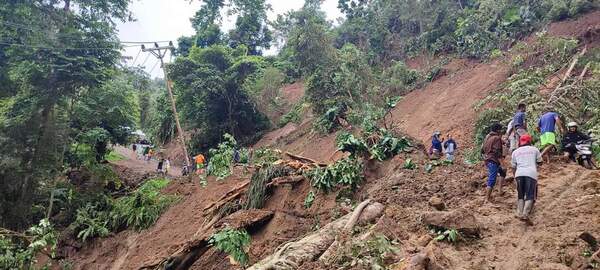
(524, 163)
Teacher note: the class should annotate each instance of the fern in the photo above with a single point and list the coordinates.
(233, 242)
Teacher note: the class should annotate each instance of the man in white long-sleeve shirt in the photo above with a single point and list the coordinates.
(524, 163)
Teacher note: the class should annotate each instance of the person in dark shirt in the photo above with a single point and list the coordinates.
(518, 126)
(450, 147)
(572, 136)
(436, 145)
(493, 153)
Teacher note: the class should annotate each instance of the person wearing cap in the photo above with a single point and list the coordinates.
(436, 145)
(493, 153)
(572, 136)
(547, 127)
(524, 163)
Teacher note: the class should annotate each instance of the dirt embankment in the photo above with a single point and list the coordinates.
(568, 202)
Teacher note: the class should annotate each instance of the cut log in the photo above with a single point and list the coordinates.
(293, 254)
(286, 180)
(331, 250)
(184, 258)
(305, 159)
(227, 197)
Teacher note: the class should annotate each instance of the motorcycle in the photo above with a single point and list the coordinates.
(584, 155)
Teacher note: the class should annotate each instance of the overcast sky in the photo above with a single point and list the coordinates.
(158, 20)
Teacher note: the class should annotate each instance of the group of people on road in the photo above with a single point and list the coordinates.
(524, 156)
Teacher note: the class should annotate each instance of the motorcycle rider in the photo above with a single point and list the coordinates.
(570, 140)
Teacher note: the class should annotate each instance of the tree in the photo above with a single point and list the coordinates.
(50, 53)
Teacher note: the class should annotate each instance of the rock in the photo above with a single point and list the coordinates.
(459, 219)
(431, 258)
(437, 203)
(554, 266)
(424, 240)
(589, 239)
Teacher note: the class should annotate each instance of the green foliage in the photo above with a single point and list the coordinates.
(399, 78)
(409, 164)
(15, 254)
(451, 235)
(114, 156)
(310, 198)
(369, 254)
(257, 191)
(330, 120)
(221, 158)
(233, 242)
(142, 208)
(264, 156)
(91, 223)
(380, 145)
(294, 115)
(344, 172)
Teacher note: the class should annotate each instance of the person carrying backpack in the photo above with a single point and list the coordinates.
(493, 153)
(524, 162)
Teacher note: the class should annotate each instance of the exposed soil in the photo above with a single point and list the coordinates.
(568, 202)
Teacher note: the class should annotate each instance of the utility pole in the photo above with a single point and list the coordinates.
(160, 52)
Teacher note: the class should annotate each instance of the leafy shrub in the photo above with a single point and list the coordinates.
(329, 121)
(90, 223)
(380, 145)
(346, 142)
(409, 164)
(142, 208)
(221, 158)
(233, 242)
(264, 156)
(369, 254)
(399, 78)
(346, 172)
(310, 198)
(450, 235)
(20, 251)
(293, 116)
(388, 146)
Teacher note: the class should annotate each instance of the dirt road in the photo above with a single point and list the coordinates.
(141, 166)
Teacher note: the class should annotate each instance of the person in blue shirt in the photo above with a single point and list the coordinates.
(518, 126)
(436, 145)
(547, 125)
(450, 147)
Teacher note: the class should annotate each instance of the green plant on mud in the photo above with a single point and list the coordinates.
(370, 254)
(451, 235)
(233, 242)
(264, 156)
(19, 250)
(90, 223)
(380, 144)
(257, 191)
(409, 164)
(221, 158)
(143, 207)
(344, 172)
(310, 198)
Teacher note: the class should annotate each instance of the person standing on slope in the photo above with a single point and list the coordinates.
(199, 160)
(492, 151)
(450, 147)
(547, 128)
(436, 146)
(524, 162)
(518, 126)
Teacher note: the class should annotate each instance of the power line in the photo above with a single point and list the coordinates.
(64, 48)
(147, 56)
(136, 57)
(155, 64)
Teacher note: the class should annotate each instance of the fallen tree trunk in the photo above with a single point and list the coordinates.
(227, 197)
(305, 159)
(291, 255)
(184, 257)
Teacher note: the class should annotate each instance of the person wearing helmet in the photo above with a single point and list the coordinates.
(570, 139)
(493, 153)
(524, 162)
(547, 127)
(436, 145)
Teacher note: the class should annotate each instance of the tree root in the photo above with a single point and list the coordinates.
(291, 255)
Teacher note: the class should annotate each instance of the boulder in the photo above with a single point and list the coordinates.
(437, 203)
(459, 219)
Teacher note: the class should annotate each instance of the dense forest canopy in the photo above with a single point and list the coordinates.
(65, 96)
